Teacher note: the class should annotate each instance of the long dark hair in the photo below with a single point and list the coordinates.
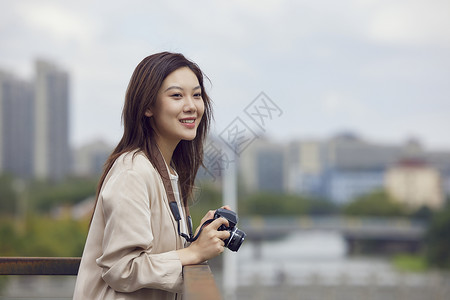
(138, 134)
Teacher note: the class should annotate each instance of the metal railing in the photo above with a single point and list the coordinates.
(198, 280)
(39, 265)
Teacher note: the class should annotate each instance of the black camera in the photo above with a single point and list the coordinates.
(236, 236)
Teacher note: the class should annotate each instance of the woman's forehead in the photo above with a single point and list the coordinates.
(182, 78)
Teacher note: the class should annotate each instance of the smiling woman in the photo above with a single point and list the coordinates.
(134, 248)
(178, 110)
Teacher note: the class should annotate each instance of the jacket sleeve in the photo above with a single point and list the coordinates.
(127, 261)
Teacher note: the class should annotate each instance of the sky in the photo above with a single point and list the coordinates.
(378, 68)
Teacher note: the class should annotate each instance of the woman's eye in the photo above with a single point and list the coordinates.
(198, 95)
(177, 95)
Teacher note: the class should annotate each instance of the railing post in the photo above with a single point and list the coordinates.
(199, 283)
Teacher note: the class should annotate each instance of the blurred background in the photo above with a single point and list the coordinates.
(330, 119)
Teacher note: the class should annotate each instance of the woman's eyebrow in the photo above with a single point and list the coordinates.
(175, 87)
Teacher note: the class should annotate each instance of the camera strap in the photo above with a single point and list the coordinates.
(161, 167)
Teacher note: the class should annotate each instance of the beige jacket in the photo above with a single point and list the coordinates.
(130, 249)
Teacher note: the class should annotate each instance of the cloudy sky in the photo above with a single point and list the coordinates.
(380, 68)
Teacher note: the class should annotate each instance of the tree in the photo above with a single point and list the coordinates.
(377, 203)
(206, 197)
(423, 213)
(283, 204)
(438, 241)
(8, 196)
(46, 195)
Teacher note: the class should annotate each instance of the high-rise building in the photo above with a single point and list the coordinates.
(51, 144)
(16, 126)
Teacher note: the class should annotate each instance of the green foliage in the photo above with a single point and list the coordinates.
(438, 241)
(8, 237)
(377, 203)
(37, 234)
(423, 213)
(283, 204)
(8, 197)
(45, 195)
(207, 197)
(410, 263)
(42, 236)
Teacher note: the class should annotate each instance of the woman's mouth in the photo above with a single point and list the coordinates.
(189, 123)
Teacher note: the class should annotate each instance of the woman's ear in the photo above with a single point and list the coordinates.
(148, 113)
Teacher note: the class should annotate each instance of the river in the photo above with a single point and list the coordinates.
(315, 265)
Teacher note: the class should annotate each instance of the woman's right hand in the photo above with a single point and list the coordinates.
(208, 245)
(210, 215)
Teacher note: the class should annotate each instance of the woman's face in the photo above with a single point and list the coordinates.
(179, 107)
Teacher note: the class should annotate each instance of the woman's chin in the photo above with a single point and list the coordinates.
(190, 137)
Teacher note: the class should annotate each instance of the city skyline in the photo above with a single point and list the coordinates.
(261, 134)
(378, 68)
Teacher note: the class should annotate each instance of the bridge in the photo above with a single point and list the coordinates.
(361, 234)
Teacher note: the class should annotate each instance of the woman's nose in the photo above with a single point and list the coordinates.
(189, 105)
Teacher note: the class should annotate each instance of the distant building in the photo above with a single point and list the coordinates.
(52, 157)
(343, 186)
(415, 183)
(305, 168)
(339, 169)
(34, 124)
(90, 158)
(350, 152)
(440, 160)
(216, 160)
(346, 166)
(355, 167)
(262, 167)
(16, 126)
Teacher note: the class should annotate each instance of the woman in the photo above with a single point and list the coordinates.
(134, 249)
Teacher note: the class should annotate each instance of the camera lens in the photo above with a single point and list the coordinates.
(235, 240)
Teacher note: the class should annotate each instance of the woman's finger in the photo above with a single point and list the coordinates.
(219, 221)
(223, 234)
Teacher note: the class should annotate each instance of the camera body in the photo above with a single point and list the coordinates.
(236, 236)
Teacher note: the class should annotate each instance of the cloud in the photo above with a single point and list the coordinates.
(60, 22)
(343, 59)
(413, 23)
(336, 103)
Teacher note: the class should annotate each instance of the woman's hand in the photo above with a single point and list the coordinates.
(209, 244)
(209, 215)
